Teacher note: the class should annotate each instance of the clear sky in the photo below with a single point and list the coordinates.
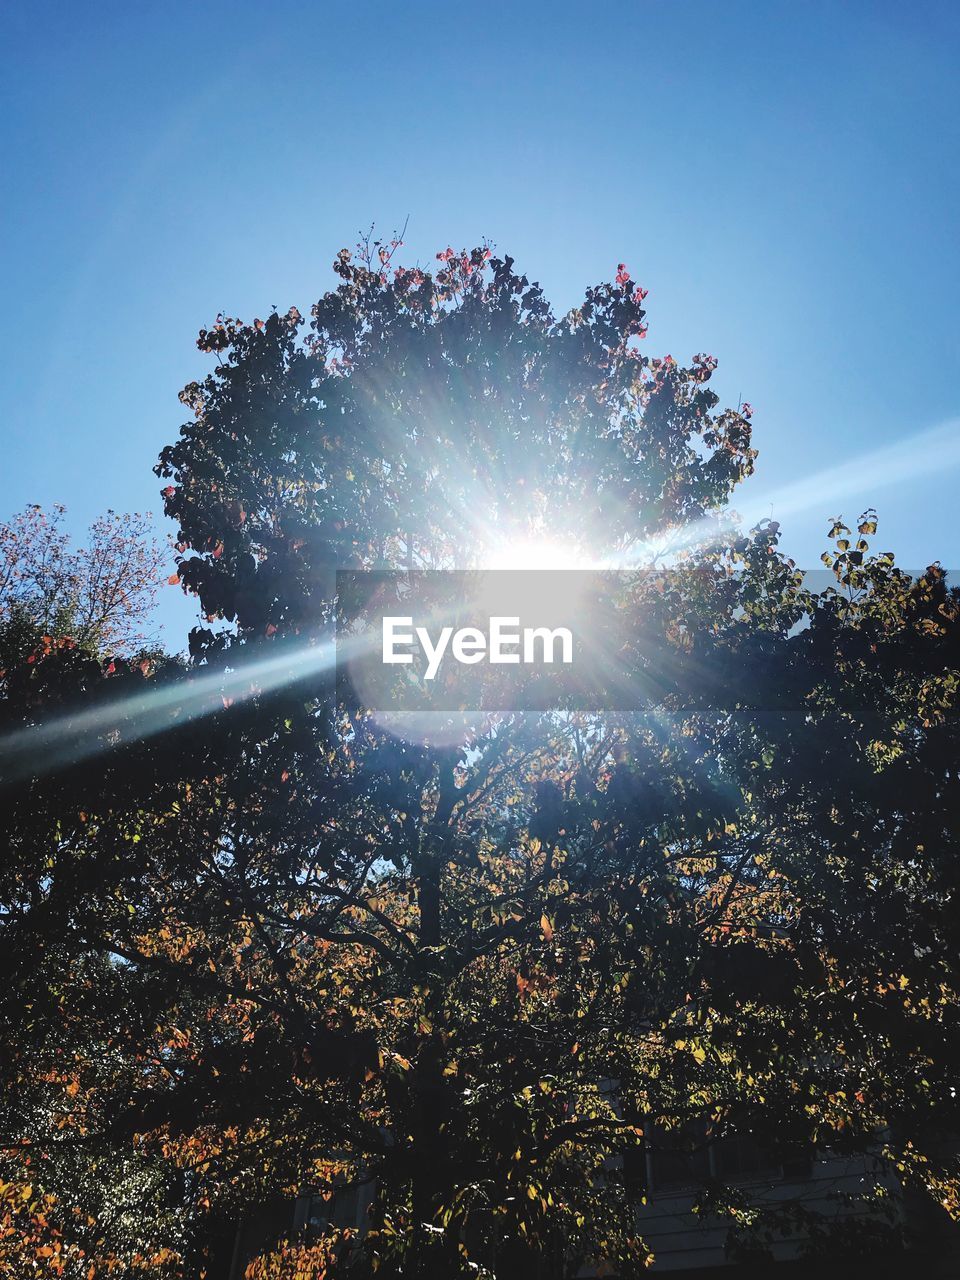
(782, 177)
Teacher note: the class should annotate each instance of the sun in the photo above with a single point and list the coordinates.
(535, 554)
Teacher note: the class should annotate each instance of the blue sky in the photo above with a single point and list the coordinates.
(782, 177)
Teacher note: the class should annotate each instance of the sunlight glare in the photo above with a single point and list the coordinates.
(536, 554)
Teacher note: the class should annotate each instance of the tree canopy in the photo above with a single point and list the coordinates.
(278, 947)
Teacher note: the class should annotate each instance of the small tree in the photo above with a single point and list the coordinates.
(100, 595)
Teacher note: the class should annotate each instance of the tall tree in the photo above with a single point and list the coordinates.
(482, 976)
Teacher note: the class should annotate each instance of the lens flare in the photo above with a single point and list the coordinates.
(547, 554)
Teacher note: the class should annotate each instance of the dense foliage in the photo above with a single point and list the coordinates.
(279, 948)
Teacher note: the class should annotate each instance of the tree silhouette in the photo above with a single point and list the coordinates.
(280, 948)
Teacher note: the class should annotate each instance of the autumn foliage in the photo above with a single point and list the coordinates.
(99, 595)
(281, 950)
